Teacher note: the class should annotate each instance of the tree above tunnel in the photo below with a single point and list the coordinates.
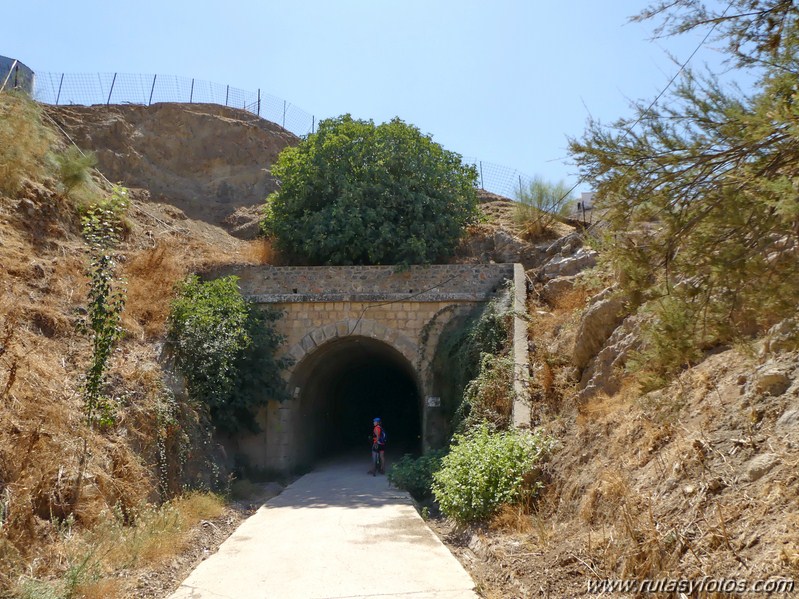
(356, 193)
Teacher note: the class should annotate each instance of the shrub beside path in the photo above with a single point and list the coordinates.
(334, 533)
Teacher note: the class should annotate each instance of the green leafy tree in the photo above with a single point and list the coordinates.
(699, 191)
(356, 193)
(225, 347)
(753, 32)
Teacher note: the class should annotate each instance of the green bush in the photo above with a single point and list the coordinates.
(540, 205)
(356, 193)
(458, 358)
(75, 167)
(486, 469)
(225, 347)
(415, 475)
(489, 396)
(101, 223)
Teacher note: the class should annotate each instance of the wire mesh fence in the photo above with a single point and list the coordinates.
(128, 88)
(499, 179)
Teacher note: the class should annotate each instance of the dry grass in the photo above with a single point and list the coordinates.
(106, 588)
(512, 518)
(549, 325)
(601, 502)
(261, 251)
(25, 143)
(88, 561)
(603, 408)
(574, 299)
(151, 276)
(157, 532)
(647, 483)
(73, 500)
(152, 272)
(534, 225)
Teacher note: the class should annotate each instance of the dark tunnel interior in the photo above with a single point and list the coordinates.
(344, 384)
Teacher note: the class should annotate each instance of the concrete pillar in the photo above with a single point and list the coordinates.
(522, 412)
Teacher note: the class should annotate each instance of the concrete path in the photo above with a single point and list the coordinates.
(334, 533)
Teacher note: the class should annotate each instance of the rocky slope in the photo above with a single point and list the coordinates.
(158, 446)
(696, 480)
(210, 161)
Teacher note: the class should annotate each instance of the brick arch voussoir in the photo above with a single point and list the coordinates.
(362, 327)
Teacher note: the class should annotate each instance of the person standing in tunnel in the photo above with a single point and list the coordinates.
(378, 438)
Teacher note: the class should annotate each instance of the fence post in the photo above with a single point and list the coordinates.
(152, 89)
(259, 101)
(284, 114)
(313, 122)
(111, 91)
(58, 96)
(13, 65)
(191, 93)
(482, 185)
(227, 93)
(521, 193)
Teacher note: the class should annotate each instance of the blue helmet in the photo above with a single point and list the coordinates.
(376, 420)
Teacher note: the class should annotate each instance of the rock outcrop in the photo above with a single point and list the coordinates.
(210, 161)
(566, 257)
(599, 320)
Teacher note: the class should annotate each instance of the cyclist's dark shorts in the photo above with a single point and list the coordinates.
(378, 447)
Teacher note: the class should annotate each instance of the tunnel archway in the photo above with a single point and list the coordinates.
(342, 385)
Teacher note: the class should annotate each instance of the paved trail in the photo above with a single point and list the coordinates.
(335, 533)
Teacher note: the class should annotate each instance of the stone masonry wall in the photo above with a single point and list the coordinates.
(307, 325)
(464, 282)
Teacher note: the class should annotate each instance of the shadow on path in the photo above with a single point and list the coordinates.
(336, 532)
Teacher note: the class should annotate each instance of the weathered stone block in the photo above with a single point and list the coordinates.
(759, 466)
(367, 327)
(354, 326)
(307, 343)
(379, 331)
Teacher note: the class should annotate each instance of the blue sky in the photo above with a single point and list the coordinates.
(505, 81)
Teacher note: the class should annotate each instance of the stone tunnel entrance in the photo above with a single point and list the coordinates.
(342, 385)
(362, 339)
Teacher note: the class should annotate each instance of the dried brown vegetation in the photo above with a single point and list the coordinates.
(78, 504)
(25, 146)
(667, 483)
